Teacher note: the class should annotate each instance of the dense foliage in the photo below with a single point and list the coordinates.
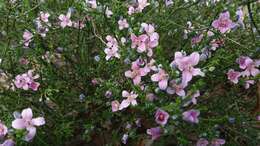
(144, 72)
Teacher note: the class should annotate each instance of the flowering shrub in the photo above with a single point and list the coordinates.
(137, 72)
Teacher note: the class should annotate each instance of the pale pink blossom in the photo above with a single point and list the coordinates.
(186, 65)
(115, 105)
(108, 13)
(141, 5)
(162, 78)
(136, 72)
(44, 17)
(112, 48)
(3, 130)
(249, 66)
(122, 23)
(168, 2)
(197, 39)
(191, 116)
(155, 132)
(65, 20)
(240, 17)
(223, 23)
(28, 122)
(248, 83)
(175, 88)
(217, 142)
(124, 138)
(202, 142)
(8, 142)
(150, 66)
(27, 38)
(26, 81)
(131, 10)
(92, 3)
(233, 76)
(78, 24)
(131, 99)
(161, 117)
(139, 42)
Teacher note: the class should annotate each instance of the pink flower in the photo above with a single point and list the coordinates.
(8, 142)
(3, 130)
(249, 65)
(78, 24)
(115, 105)
(65, 20)
(27, 38)
(191, 116)
(124, 138)
(92, 3)
(162, 78)
(168, 2)
(26, 81)
(194, 97)
(150, 66)
(175, 88)
(244, 62)
(23, 61)
(202, 142)
(139, 42)
(186, 65)
(142, 4)
(151, 97)
(240, 17)
(108, 13)
(154, 132)
(223, 23)
(112, 48)
(248, 83)
(28, 122)
(233, 76)
(123, 24)
(197, 39)
(131, 99)
(131, 10)
(136, 73)
(217, 142)
(44, 16)
(161, 117)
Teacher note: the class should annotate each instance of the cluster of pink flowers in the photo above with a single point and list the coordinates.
(214, 142)
(138, 7)
(249, 67)
(26, 81)
(130, 100)
(145, 42)
(186, 65)
(65, 21)
(42, 23)
(112, 48)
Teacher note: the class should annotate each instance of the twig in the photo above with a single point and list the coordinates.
(95, 33)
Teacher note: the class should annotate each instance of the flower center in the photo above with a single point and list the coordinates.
(161, 117)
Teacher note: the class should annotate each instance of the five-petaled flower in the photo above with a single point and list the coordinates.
(191, 116)
(131, 99)
(161, 117)
(223, 23)
(28, 122)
